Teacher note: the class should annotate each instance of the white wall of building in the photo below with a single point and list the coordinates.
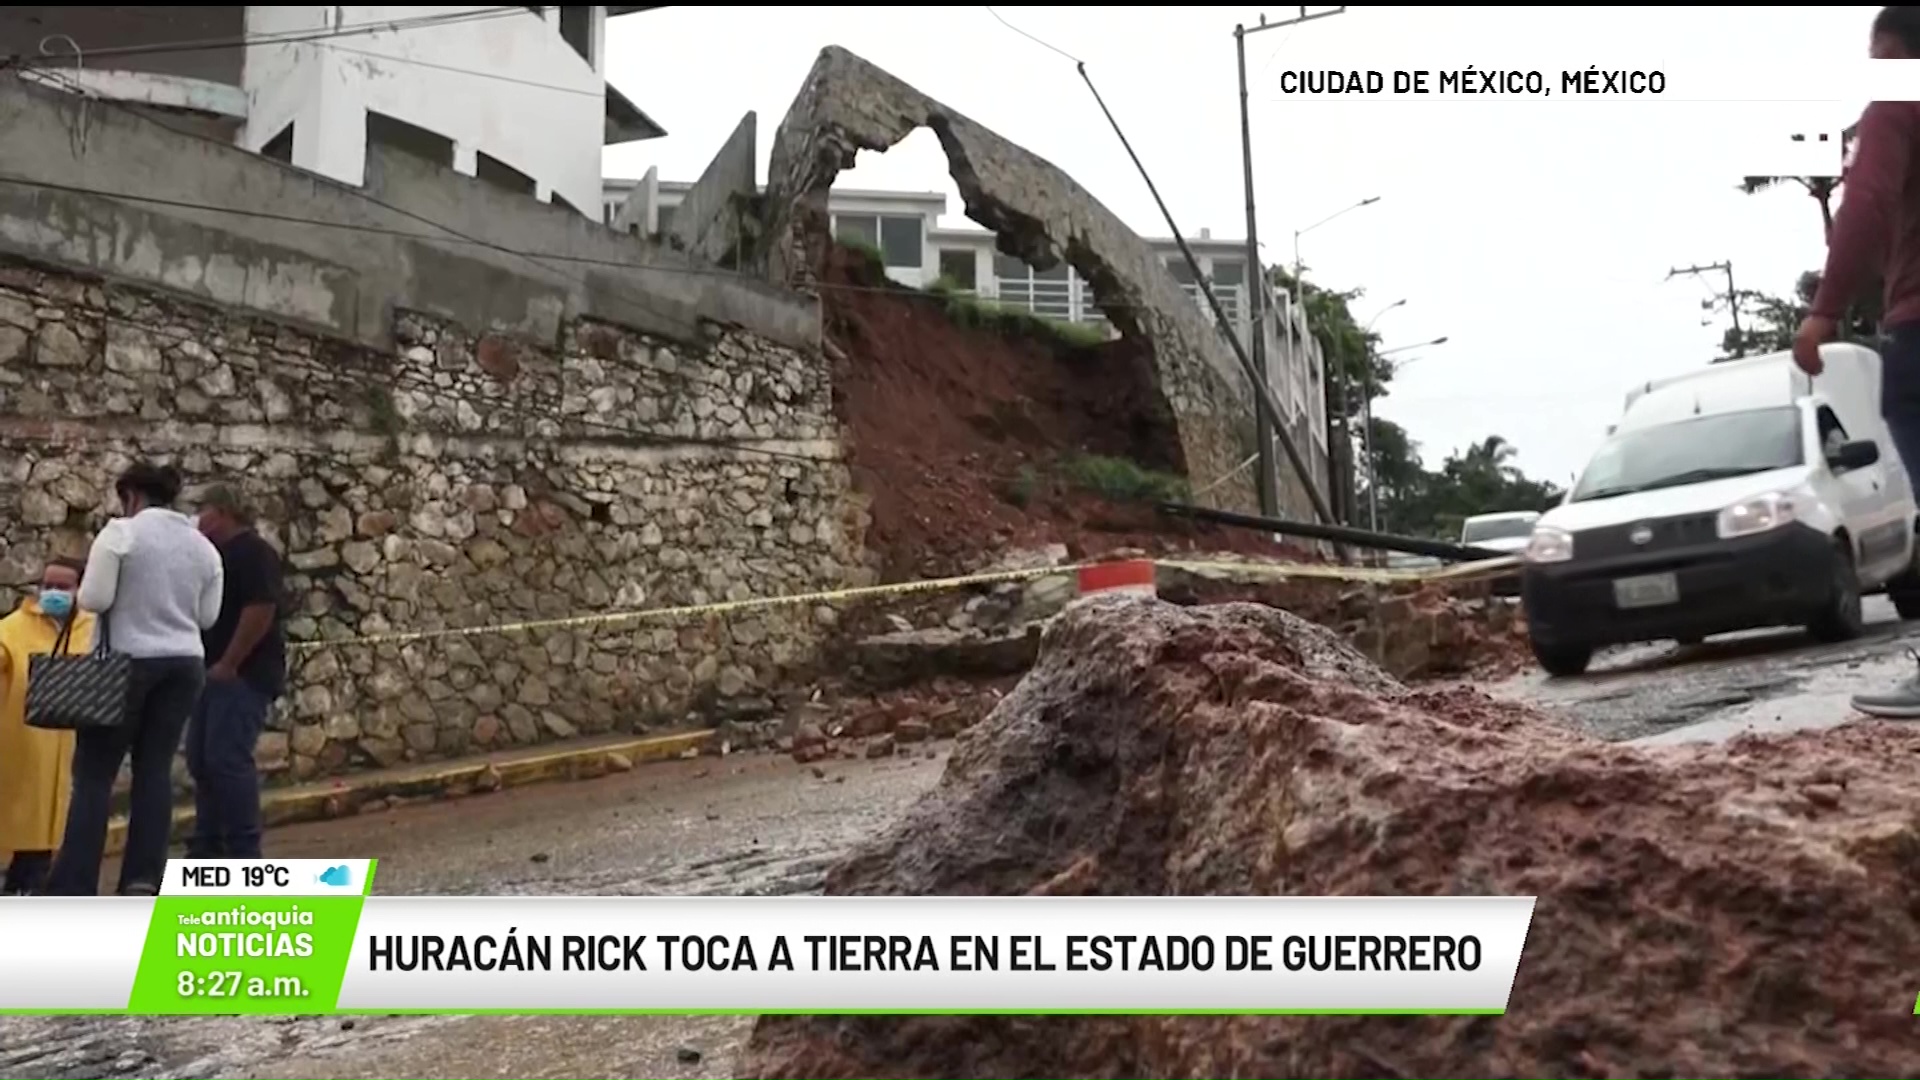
(552, 132)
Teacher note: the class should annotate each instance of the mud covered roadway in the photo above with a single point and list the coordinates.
(755, 824)
(746, 824)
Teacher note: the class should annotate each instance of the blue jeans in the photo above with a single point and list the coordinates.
(159, 699)
(226, 785)
(1900, 393)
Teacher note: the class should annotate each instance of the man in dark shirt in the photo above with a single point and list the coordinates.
(246, 673)
(1877, 230)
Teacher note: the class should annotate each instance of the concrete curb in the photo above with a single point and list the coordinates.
(344, 795)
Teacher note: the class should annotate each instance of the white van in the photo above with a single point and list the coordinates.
(1505, 532)
(1739, 496)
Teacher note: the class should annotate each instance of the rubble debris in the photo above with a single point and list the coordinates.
(1701, 910)
(898, 659)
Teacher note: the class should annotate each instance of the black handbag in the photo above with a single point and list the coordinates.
(69, 691)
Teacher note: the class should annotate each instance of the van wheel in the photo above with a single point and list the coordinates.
(1840, 619)
(1562, 659)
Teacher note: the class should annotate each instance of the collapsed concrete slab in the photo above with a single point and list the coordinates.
(710, 222)
(1736, 910)
(1041, 215)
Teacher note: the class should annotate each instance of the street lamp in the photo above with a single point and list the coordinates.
(1366, 424)
(1373, 459)
(1383, 311)
(1294, 328)
(1416, 345)
(1298, 233)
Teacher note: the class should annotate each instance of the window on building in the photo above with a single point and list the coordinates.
(1228, 277)
(898, 237)
(958, 267)
(1177, 266)
(664, 217)
(491, 170)
(860, 229)
(386, 131)
(576, 29)
(280, 147)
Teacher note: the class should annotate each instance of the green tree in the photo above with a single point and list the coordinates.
(1348, 348)
(1480, 479)
(1768, 322)
(1821, 188)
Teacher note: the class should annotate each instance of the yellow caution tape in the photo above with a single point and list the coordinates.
(1281, 571)
(825, 596)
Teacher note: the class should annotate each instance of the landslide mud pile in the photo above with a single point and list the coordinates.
(958, 433)
(1723, 911)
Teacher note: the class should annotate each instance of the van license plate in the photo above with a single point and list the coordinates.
(1653, 590)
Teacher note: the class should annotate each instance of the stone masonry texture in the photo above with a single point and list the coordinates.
(460, 480)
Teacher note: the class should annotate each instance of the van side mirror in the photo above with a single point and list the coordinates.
(1857, 454)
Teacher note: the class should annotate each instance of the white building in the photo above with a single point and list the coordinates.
(517, 96)
(903, 227)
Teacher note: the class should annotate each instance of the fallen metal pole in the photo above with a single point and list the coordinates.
(1339, 534)
(1263, 396)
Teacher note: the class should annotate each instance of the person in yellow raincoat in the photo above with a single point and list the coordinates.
(34, 764)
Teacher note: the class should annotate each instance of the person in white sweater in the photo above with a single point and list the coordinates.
(156, 584)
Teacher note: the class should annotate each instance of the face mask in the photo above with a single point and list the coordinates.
(56, 602)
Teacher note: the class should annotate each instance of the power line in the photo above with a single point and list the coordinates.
(1732, 297)
(285, 37)
(1036, 40)
(1264, 397)
(463, 71)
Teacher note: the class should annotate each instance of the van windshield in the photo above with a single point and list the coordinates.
(1693, 451)
(1479, 529)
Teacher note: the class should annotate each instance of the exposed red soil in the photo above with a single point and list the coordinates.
(1744, 909)
(942, 419)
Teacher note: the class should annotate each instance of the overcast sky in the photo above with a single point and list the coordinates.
(1535, 234)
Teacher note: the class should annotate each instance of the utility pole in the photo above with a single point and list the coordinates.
(1733, 298)
(1267, 482)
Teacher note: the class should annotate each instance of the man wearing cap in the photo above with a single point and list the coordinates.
(246, 674)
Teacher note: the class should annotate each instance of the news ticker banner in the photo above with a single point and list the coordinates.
(305, 937)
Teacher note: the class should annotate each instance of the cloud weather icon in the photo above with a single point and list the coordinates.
(334, 875)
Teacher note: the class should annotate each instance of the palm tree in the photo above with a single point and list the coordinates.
(1822, 188)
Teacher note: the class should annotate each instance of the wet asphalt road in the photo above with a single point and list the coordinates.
(1763, 681)
(758, 824)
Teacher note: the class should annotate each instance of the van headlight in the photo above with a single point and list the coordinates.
(1756, 515)
(1549, 545)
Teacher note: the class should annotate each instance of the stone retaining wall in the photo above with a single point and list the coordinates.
(461, 480)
